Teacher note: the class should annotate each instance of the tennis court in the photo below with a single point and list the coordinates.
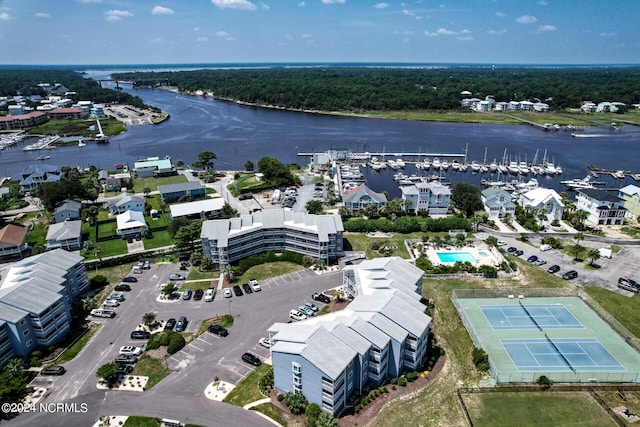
(560, 337)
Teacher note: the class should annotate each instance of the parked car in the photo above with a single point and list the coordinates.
(129, 279)
(124, 369)
(176, 276)
(247, 288)
(540, 262)
(209, 295)
(122, 287)
(140, 335)
(321, 297)
(306, 310)
(130, 349)
(171, 323)
(296, 315)
(197, 295)
(182, 324)
(103, 312)
(227, 293)
(628, 284)
(218, 330)
(187, 294)
(512, 249)
(255, 285)
(111, 303)
(237, 291)
(265, 342)
(502, 243)
(146, 265)
(312, 306)
(251, 359)
(53, 370)
(116, 296)
(126, 359)
(544, 248)
(518, 252)
(571, 274)
(532, 258)
(245, 196)
(554, 268)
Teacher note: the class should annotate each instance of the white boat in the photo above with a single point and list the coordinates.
(399, 176)
(81, 144)
(392, 164)
(463, 167)
(444, 165)
(618, 174)
(574, 184)
(493, 167)
(524, 169)
(558, 170)
(455, 165)
(43, 157)
(532, 184)
(513, 168)
(550, 169)
(426, 164)
(484, 169)
(400, 163)
(475, 166)
(436, 163)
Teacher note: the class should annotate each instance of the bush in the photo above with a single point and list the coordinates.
(280, 397)
(311, 414)
(98, 281)
(412, 376)
(402, 381)
(266, 381)
(296, 402)
(480, 359)
(176, 344)
(544, 382)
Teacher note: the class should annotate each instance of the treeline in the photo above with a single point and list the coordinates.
(358, 89)
(25, 83)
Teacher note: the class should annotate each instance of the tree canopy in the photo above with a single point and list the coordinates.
(466, 198)
(275, 172)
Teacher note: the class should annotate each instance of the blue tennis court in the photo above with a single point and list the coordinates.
(560, 354)
(530, 316)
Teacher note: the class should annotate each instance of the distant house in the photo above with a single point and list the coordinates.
(20, 121)
(543, 198)
(631, 196)
(66, 113)
(498, 202)
(541, 107)
(68, 209)
(154, 166)
(34, 175)
(125, 202)
(66, 235)
(5, 193)
(604, 207)
(130, 223)
(361, 197)
(117, 181)
(201, 209)
(432, 197)
(588, 107)
(13, 240)
(182, 191)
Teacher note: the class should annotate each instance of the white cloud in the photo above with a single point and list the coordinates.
(497, 32)
(222, 34)
(605, 34)
(116, 15)
(289, 37)
(159, 10)
(202, 39)
(381, 5)
(440, 32)
(333, 1)
(544, 28)
(156, 40)
(4, 16)
(408, 33)
(301, 4)
(408, 12)
(306, 36)
(264, 6)
(234, 4)
(526, 19)
(196, 29)
(501, 15)
(42, 15)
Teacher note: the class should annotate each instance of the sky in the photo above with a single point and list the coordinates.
(50, 32)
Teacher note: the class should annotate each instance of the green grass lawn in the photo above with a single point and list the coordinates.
(138, 421)
(265, 271)
(111, 247)
(247, 391)
(73, 351)
(362, 242)
(273, 412)
(226, 322)
(159, 240)
(38, 234)
(537, 409)
(195, 274)
(139, 184)
(107, 229)
(623, 308)
(197, 285)
(152, 368)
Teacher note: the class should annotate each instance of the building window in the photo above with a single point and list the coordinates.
(350, 374)
(22, 322)
(297, 381)
(296, 368)
(29, 343)
(25, 332)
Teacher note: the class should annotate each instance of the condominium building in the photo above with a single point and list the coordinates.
(382, 333)
(432, 197)
(36, 296)
(318, 236)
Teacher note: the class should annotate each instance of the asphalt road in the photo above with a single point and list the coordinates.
(181, 394)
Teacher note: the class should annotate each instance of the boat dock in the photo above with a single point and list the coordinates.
(43, 144)
(383, 154)
(617, 174)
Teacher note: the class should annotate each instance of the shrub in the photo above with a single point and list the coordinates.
(402, 381)
(357, 408)
(412, 376)
(544, 382)
(296, 402)
(266, 381)
(280, 397)
(311, 414)
(480, 359)
(176, 344)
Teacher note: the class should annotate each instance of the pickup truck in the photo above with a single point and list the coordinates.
(101, 312)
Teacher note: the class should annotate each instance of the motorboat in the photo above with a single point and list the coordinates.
(576, 183)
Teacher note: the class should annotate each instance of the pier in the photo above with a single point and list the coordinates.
(383, 154)
(617, 174)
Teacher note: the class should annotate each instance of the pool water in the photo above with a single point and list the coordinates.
(483, 253)
(456, 256)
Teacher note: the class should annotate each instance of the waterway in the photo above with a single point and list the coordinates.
(238, 133)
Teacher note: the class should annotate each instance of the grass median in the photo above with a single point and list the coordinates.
(73, 351)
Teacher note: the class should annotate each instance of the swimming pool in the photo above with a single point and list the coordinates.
(456, 256)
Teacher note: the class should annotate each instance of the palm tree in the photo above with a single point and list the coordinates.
(542, 216)
(15, 367)
(594, 254)
(228, 273)
(149, 318)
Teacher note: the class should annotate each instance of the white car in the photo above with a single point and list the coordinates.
(209, 295)
(227, 293)
(117, 297)
(111, 303)
(130, 350)
(296, 315)
(255, 285)
(502, 243)
(265, 342)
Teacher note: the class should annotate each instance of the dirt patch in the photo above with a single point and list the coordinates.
(158, 353)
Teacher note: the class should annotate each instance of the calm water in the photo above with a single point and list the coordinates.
(239, 133)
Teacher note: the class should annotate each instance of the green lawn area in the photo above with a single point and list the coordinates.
(38, 234)
(361, 242)
(273, 412)
(537, 409)
(139, 184)
(78, 127)
(246, 181)
(111, 247)
(139, 421)
(196, 274)
(107, 229)
(197, 285)
(153, 368)
(265, 271)
(623, 308)
(226, 322)
(159, 239)
(73, 351)
(247, 391)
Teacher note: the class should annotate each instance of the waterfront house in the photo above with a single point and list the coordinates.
(182, 191)
(381, 334)
(66, 235)
(502, 106)
(124, 202)
(631, 196)
(130, 224)
(34, 175)
(68, 209)
(200, 209)
(228, 240)
(361, 197)
(543, 198)
(36, 295)
(498, 202)
(588, 107)
(13, 240)
(21, 121)
(154, 166)
(433, 197)
(67, 113)
(604, 207)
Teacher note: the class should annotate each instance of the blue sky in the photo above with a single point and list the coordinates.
(223, 31)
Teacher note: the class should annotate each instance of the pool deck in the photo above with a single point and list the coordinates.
(486, 259)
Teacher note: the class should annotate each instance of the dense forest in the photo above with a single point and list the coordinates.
(25, 82)
(358, 89)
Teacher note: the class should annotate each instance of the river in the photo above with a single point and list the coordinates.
(238, 133)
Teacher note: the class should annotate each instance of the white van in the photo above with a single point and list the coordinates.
(136, 270)
(544, 248)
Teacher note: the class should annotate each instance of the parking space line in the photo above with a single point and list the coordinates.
(197, 348)
(200, 339)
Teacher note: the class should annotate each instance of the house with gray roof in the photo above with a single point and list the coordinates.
(543, 198)
(182, 191)
(124, 202)
(228, 240)
(68, 209)
(433, 197)
(498, 203)
(66, 235)
(6, 349)
(34, 175)
(36, 295)
(382, 333)
(604, 207)
(361, 197)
